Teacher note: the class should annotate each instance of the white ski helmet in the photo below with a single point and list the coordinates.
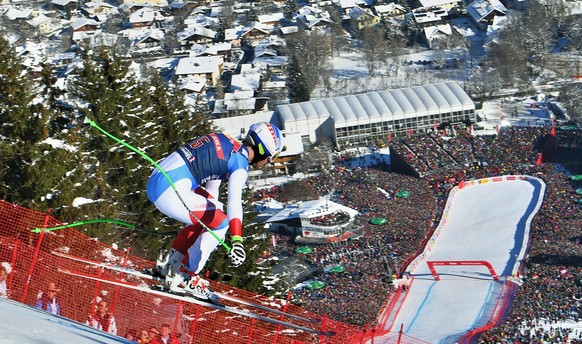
(266, 138)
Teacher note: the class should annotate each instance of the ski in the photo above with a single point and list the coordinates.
(108, 266)
(189, 299)
(220, 296)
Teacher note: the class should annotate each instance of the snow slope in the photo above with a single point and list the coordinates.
(486, 221)
(23, 324)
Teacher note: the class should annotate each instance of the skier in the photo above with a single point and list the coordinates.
(197, 170)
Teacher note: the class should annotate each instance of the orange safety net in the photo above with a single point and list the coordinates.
(34, 267)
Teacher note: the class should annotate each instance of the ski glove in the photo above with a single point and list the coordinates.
(237, 254)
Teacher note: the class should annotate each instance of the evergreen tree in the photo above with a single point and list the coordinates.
(22, 126)
(290, 9)
(105, 170)
(297, 84)
(166, 123)
(151, 116)
(15, 96)
(251, 16)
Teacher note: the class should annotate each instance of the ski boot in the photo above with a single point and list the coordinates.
(188, 283)
(165, 264)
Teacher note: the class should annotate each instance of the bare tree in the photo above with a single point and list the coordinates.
(316, 157)
(571, 98)
(340, 38)
(373, 47)
(509, 57)
(485, 84)
(556, 13)
(312, 49)
(573, 32)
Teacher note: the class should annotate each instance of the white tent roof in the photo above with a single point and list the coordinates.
(375, 107)
(309, 209)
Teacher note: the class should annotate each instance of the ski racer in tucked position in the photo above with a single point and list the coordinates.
(197, 170)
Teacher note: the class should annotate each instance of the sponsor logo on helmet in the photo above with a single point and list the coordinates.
(273, 135)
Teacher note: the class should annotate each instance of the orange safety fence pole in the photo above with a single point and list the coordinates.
(250, 341)
(194, 322)
(363, 337)
(282, 316)
(323, 321)
(34, 258)
(177, 318)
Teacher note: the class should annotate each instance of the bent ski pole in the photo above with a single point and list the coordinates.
(145, 156)
(81, 223)
(115, 222)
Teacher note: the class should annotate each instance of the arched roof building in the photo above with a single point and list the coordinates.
(371, 117)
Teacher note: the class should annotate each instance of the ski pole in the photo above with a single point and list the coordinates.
(80, 223)
(87, 222)
(145, 156)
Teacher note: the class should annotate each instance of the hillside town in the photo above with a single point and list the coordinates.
(234, 54)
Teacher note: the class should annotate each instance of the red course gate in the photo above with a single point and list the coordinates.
(431, 264)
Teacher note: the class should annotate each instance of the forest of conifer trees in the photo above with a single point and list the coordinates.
(51, 158)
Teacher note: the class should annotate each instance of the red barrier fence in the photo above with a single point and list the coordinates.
(34, 267)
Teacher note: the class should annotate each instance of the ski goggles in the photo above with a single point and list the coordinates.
(263, 152)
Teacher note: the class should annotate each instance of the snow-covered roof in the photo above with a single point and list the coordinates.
(14, 13)
(431, 31)
(234, 33)
(246, 82)
(196, 31)
(80, 22)
(215, 49)
(234, 126)
(389, 8)
(192, 83)
(237, 100)
(347, 3)
(198, 65)
(375, 107)
(310, 209)
(286, 30)
(62, 2)
(268, 18)
(143, 15)
(479, 9)
(422, 15)
(39, 20)
(436, 3)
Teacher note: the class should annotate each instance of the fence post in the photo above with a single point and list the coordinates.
(363, 337)
(323, 324)
(194, 322)
(13, 262)
(282, 317)
(177, 318)
(116, 294)
(250, 341)
(34, 258)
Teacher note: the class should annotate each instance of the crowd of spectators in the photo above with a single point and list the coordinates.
(335, 218)
(358, 294)
(552, 273)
